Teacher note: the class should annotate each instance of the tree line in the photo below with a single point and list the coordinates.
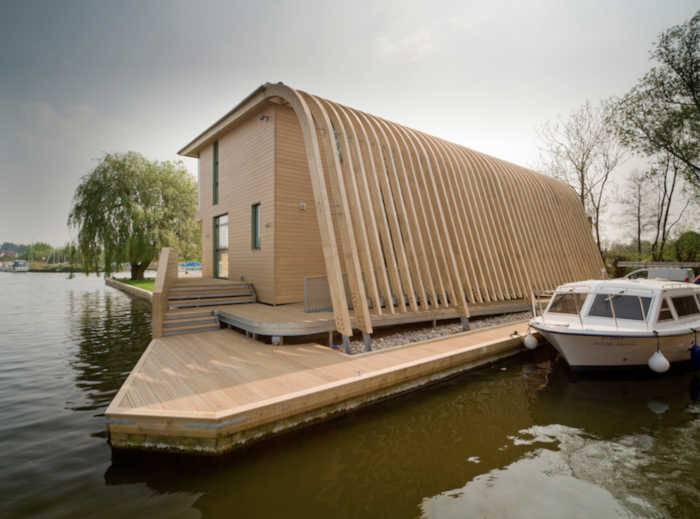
(656, 126)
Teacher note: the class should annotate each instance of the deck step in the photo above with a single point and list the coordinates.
(190, 288)
(193, 303)
(190, 329)
(178, 323)
(186, 313)
(210, 288)
(207, 295)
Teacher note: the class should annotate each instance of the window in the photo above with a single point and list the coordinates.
(221, 246)
(685, 305)
(567, 303)
(255, 226)
(215, 174)
(665, 311)
(601, 306)
(623, 307)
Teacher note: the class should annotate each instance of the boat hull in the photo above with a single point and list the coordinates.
(601, 351)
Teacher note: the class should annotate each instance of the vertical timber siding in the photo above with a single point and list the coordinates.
(414, 222)
(297, 241)
(246, 177)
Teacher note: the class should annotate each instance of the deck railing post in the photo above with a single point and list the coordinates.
(166, 276)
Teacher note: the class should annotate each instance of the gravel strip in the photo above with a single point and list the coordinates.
(407, 336)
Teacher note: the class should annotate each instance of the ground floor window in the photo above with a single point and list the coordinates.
(221, 246)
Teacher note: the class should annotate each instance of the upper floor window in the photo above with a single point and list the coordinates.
(215, 174)
(255, 226)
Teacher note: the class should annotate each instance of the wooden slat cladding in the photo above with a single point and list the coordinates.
(246, 177)
(298, 252)
(415, 223)
(425, 224)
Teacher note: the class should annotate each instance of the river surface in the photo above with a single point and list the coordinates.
(521, 438)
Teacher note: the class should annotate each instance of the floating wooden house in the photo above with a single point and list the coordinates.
(324, 208)
(320, 218)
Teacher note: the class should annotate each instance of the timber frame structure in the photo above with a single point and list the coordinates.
(411, 223)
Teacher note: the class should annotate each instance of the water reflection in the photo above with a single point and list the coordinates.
(524, 436)
(110, 332)
(629, 449)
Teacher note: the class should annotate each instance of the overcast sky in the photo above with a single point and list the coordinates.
(79, 79)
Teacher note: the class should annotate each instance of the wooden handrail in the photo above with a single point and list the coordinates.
(165, 278)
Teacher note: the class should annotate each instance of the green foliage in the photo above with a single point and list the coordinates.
(128, 208)
(661, 114)
(687, 246)
(147, 284)
(39, 251)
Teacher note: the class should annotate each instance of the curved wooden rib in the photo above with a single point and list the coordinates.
(323, 209)
(427, 224)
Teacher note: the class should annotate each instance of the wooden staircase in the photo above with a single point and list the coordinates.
(190, 303)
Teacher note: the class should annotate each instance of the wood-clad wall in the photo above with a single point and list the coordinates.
(412, 222)
(297, 239)
(246, 177)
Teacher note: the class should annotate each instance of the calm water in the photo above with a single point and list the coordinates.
(522, 438)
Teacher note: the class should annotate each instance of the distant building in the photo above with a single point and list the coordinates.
(303, 197)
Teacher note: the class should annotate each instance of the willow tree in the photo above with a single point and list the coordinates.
(128, 207)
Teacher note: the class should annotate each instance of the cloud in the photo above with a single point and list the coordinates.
(409, 48)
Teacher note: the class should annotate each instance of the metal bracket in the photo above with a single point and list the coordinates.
(367, 339)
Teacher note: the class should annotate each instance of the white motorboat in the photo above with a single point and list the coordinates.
(20, 266)
(623, 323)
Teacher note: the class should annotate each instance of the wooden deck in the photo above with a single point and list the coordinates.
(291, 320)
(211, 392)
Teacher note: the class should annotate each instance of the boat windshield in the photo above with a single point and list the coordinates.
(616, 306)
(685, 305)
(570, 303)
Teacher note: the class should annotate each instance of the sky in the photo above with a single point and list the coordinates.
(79, 79)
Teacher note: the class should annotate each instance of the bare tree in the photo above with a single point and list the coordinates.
(671, 202)
(635, 201)
(583, 152)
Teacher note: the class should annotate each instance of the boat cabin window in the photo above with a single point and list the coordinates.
(685, 305)
(621, 307)
(665, 311)
(567, 303)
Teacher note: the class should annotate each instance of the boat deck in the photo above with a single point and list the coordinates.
(292, 320)
(211, 392)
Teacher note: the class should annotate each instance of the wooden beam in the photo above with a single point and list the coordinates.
(347, 234)
(323, 210)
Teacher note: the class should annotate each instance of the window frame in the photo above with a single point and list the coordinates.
(215, 174)
(669, 307)
(256, 226)
(217, 248)
(581, 296)
(692, 298)
(637, 301)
